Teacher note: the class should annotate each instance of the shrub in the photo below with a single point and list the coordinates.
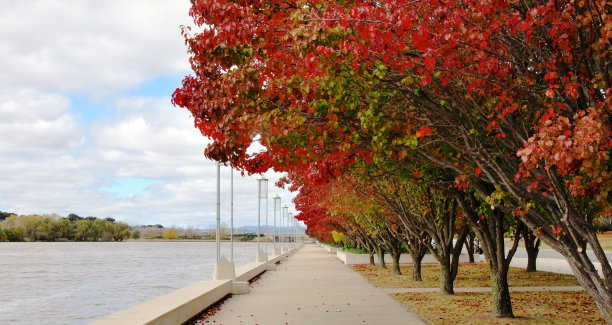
(603, 225)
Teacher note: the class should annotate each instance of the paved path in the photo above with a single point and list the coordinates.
(312, 287)
(551, 265)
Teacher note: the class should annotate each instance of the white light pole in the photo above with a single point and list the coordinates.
(218, 233)
(283, 224)
(277, 206)
(296, 231)
(232, 216)
(267, 228)
(223, 270)
(290, 224)
(262, 193)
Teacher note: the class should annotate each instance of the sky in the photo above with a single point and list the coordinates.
(86, 122)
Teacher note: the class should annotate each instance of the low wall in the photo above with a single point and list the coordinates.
(352, 258)
(179, 306)
(251, 270)
(174, 308)
(328, 248)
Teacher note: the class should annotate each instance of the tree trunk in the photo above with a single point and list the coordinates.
(395, 256)
(446, 279)
(417, 251)
(606, 311)
(491, 231)
(502, 305)
(372, 258)
(469, 246)
(587, 275)
(532, 256)
(381, 257)
(416, 269)
(532, 247)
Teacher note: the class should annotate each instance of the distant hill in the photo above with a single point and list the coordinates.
(4, 215)
(269, 229)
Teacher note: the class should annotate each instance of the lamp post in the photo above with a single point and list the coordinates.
(277, 206)
(218, 233)
(232, 216)
(223, 269)
(262, 193)
(283, 225)
(290, 221)
(296, 230)
(267, 227)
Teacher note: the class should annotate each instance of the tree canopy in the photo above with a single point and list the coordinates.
(509, 100)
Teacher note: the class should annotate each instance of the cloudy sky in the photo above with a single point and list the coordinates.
(86, 123)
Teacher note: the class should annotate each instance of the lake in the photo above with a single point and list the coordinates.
(76, 283)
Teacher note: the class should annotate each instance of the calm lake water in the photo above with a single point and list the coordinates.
(76, 283)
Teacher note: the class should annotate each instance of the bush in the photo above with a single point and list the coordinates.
(170, 234)
(353, 250)
(136, 234)
(15, 234)
(603, 225)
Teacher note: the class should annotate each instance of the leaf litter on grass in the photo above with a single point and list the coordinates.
(530, 307)
(468, 275)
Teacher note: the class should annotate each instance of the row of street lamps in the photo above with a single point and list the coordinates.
(225, 269)
(262, 193)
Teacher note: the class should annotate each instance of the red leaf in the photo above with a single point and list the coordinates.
(430, 62)
(422, 132)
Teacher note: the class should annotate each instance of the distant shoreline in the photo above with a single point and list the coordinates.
(189, 240)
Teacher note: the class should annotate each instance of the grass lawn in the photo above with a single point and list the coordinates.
(469, 275)
(534, 307)
(531, 307)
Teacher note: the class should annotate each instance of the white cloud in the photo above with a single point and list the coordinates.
(63, 156)
(34, 123)
(146, 139)
(90, 46)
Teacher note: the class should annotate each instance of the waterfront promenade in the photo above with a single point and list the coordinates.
(312, 287)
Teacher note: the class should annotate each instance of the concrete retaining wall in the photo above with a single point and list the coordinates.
(352, 258)
(330, 249)
(174, 308)
(179, 306)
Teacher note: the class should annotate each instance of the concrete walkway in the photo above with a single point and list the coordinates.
(312, 287)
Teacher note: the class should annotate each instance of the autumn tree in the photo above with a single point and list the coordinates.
(170, 234)
(424, 207)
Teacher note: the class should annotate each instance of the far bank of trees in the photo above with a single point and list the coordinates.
(52, 227)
